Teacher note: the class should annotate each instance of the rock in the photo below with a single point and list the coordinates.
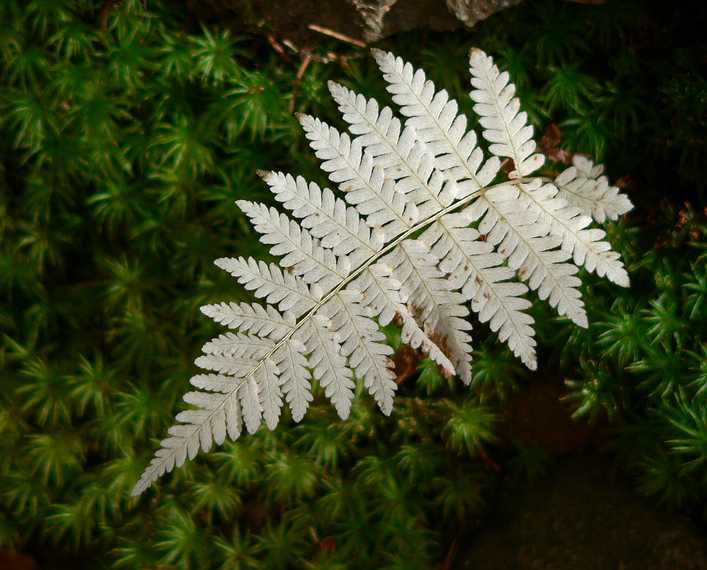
(584, 516)
(364, 20)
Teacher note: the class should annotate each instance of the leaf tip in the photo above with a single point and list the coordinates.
(475, 54)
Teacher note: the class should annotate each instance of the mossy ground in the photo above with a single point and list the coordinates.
(126, 136)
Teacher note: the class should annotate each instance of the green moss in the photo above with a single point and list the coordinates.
(123, 148)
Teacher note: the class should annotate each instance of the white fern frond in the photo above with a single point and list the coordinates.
(437, 123)
(328, 218)
(256, 319)
(328, 365)
(523, 237)
(302, 253)
(412, 234)
(430, 300)
(504, 125)
(364, 185)
(583, 186)
(476, 269)
(294, 378)
(268, 281)
(585, 245)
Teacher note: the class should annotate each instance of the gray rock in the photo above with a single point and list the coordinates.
(366, 20)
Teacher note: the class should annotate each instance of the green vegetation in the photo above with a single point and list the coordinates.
(126, 137)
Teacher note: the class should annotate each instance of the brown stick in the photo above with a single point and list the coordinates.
(298, 78)
(277, 46)
(336, 35)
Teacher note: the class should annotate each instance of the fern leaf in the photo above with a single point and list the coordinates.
(399, 244)
(263, 321)
(328, 365)
(302, 253)
(269, 282)
(522, 237)
(583, 187)
(504, 125)
(363, 343)
(294, 378)
(365, 185)
(566, 222)
(327, 217)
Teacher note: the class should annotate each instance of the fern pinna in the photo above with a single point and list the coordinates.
(418, 231)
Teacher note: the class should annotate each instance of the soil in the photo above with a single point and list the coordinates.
(584, 516)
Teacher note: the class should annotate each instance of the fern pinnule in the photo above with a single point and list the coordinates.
(582, 185)
(415, 230)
